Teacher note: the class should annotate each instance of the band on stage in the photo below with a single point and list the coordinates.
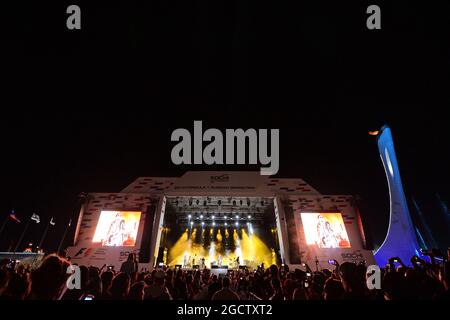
(200, 262)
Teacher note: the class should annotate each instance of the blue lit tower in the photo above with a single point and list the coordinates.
(401, 239)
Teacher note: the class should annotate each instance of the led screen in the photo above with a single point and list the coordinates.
(326, 230)
(117, 228)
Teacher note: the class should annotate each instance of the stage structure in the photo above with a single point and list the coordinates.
(219, 220)
(401, 238)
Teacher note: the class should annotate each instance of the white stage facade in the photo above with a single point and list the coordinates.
(310, 227)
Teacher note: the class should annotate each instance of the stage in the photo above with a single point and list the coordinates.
(227, 216)
(211, 231)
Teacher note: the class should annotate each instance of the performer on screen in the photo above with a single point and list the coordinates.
(325, 233)
(116, 232)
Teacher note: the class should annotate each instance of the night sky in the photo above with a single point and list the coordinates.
(91, 110)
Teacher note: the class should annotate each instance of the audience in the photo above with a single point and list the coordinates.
(18, 287)
(49, 281)
(351, 281)
(276, 289)
(444, 277)
(120, 286)
(213, 287)
(137, 291)
(4, 281)
(157, 290)
(333, 290)
(179, 286)
(226, 293)
(130, 266)
(106, 279)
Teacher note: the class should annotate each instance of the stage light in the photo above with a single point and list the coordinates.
(219, 236)
(214, 224)
(225, 217)
(237, 224)
(194, 234)
(201, 216)
(212, 217)
(249, 217)
(192, 223)
(203, 224)
(226, 224)
(237, 217)
(212, 251)
(236, 238)
(189, 216)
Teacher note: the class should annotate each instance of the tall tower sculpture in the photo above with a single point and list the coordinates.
(401, 238)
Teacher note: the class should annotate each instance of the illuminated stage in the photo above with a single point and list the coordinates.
(211, 231)
(219, 220)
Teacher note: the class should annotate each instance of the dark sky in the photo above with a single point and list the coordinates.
(91, 110)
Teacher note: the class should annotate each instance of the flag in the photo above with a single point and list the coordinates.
(35, 218)
(13, 217)
(52, 222)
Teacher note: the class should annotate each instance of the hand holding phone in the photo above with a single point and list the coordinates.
(308, 269)
(394, 260)
(333, 262)
(306, 284)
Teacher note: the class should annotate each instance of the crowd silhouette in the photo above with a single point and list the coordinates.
(348, 281)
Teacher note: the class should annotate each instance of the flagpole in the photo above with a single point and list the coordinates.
(43, 236)
(3, 225)
(64, 236)
(21, 236)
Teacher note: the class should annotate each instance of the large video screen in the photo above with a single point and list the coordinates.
(326, 230)
(117, 228)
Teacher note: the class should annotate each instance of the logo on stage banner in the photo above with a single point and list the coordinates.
(221, 178)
